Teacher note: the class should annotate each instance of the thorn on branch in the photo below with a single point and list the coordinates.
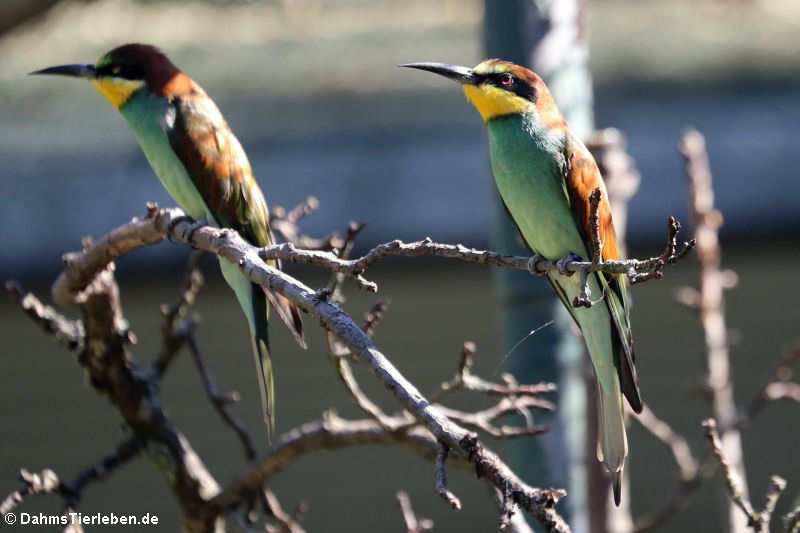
(441, 478)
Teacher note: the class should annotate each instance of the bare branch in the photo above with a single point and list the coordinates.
(175, 328)
(81, 268)
(69, 333)
(413, 524)
(484, 420)
(466, 380)
(126, 451)
(634, 268)
(33, 483)
(707, 220)
(684, 459)
(671, 255)
(510, 518)
(791, 521)
(286, 226)
(732, 479)
(441, 478)
(231, 247)
(286, 523)
(758, 521)
(374, 316)
(776, 387)
(220, 402)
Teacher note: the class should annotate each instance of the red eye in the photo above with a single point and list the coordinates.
(506, 79)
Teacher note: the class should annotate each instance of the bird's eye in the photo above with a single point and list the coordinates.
(116, 70)
(506, 79)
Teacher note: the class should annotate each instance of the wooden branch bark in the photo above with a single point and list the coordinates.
(88, 281)
(707, 220)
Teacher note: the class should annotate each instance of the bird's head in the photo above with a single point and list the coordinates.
(498, 88)
(123, 71)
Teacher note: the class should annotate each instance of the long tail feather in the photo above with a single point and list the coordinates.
(266, 383)
(612, 445)
(600, 335)
(289, 314)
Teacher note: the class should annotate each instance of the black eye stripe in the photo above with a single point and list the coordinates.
(128, 72)
(517, 86)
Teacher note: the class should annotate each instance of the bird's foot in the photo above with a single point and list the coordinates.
(533, 267)
(324, 294)
(195, 226)
(175, 222)
(188, 235)
(562, 263)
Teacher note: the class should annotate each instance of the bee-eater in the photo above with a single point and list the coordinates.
(545, 176)
(203, 167)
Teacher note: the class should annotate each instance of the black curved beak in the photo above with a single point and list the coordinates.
(460, 74)
(73, 71)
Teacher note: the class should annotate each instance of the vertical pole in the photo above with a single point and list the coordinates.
(550, 37)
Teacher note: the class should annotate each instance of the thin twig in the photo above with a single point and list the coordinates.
(286, 225)
(707, 220)
(466, 380)
(126, 451)
(286, 523)
(681, 453)
(69, 333)
(758, 521)
(175, 327)
(220, 402)
(413, 524)
(231, 247)
(441, 478)
(33, 483)
(637, 269)
(776, 386)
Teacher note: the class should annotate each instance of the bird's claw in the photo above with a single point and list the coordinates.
(323, 294)
(187, 235)
(175, 222)
(533, 267)
(562, 263)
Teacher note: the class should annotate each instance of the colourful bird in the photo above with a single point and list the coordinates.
(203, 167)
(545, 176)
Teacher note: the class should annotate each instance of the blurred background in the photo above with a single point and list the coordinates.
(311, 89)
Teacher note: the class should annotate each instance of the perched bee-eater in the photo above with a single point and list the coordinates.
(545, 176)
(203, 167)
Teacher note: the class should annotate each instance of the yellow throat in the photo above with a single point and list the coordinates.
(493, 102)
(116, 90)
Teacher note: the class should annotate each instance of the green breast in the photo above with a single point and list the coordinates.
(527, 166)
(149, 117)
